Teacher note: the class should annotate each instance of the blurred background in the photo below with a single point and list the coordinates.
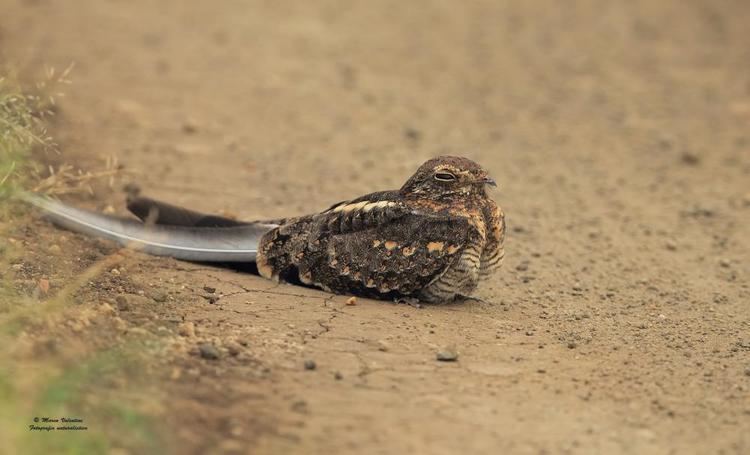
(618, 134)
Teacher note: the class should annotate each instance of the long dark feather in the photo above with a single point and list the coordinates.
(159, 212)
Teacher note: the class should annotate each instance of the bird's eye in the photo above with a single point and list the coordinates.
(445, 177)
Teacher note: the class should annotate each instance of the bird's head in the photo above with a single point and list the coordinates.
(448, 178)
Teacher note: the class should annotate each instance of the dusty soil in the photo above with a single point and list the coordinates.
(619, 134)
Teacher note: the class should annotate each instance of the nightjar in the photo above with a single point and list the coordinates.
(433, 239)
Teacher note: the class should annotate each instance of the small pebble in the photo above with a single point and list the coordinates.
(76, 326)
(310, 365)
(351, 301)
(189, 126)
(338, 376)
(671, 245)
(690, 158)
(447, 354)
(724, 263)
(412, 134)
(122, 303)
(208, 351)
(160, 296)
(300, 406)
(209, 289)
(233, 347)
(186, 329)
(55, 249)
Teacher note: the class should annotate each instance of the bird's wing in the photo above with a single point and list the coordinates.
(209, 244)
(382, 247)
(378, 196)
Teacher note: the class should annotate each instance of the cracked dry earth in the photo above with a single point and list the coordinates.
(619, 134)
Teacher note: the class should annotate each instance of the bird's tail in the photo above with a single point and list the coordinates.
(203, 244)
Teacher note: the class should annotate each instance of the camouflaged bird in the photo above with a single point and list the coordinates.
(434, 239)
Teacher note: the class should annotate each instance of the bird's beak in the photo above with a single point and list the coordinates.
(489, 181)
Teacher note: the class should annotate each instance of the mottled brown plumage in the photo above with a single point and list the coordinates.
(433, 239)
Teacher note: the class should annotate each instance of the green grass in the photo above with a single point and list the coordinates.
(111, 422)
(84, 389)
(22, 127)
(53, 385)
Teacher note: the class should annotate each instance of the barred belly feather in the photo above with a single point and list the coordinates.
(460, 279)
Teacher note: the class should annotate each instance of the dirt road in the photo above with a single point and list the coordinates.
(619, 134)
